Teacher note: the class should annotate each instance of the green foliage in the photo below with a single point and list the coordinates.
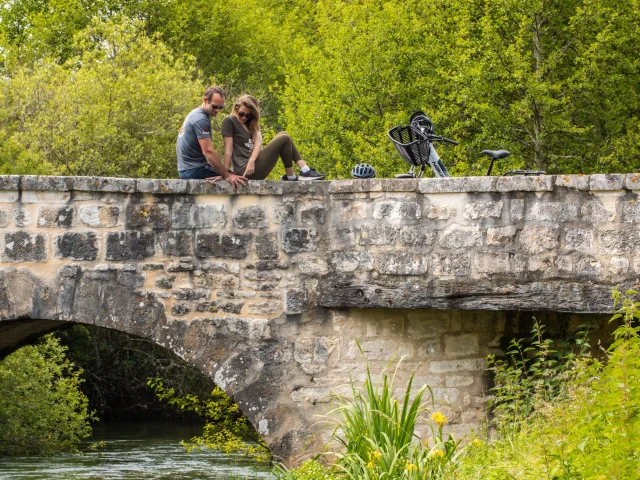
(588, 431)
(114, 109)
(42, 409)
(533, 372)
(226, 428)
(309, 470)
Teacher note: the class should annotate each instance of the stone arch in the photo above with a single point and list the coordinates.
(240, 356)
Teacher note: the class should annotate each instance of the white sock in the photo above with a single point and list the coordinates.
(305, 169)
(291, 178)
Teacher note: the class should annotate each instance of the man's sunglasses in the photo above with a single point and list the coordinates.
(216, 107)
(248, 115)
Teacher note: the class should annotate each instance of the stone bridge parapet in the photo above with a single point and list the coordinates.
(254, 287)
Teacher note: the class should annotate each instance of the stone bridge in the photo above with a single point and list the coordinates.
(267, 290)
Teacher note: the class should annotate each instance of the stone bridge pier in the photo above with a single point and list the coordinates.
(267, 290)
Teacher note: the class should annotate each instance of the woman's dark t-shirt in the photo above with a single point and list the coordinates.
(242, 142)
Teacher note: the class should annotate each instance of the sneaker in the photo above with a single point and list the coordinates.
(284, 178)
(311, 175)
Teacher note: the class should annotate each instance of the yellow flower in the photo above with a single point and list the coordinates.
(376, 455)
(412, 467)
(476, 442)
(439, 418)
(436, 454)
(370, 465)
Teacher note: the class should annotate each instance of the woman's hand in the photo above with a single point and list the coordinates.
(251, 167)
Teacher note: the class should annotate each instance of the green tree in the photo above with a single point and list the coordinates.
(113, 110)
(42, 409)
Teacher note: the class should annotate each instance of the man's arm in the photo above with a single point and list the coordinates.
(214, 160)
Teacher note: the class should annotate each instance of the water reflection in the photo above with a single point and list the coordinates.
(137, 451)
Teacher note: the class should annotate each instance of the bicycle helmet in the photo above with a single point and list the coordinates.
(363, 170)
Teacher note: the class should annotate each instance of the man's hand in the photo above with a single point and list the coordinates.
(251, 167)
(236, 181)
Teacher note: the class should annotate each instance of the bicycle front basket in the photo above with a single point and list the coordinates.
(411, 145)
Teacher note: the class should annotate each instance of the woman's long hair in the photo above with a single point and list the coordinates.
(251, 103)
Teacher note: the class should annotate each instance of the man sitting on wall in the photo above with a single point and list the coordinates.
(196, 157)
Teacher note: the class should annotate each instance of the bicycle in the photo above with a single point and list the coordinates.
(414, 143)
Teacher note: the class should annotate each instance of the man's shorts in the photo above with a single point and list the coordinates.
(198, 173)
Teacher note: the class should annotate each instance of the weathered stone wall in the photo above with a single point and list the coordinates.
(265, 290)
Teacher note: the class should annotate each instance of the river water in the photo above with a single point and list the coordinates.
(137, 451)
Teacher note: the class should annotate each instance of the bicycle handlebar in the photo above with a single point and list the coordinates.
(439, 138)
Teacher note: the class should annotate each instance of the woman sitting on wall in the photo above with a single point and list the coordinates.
(243, 146)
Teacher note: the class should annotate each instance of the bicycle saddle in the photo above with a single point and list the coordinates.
(496, 154)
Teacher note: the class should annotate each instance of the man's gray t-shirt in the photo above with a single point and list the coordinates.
(196, 125)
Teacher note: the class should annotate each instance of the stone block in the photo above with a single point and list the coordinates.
(8, 197)
(165, 281)
(313, 214)
(401, 263)
(631, 212)
(589, 267)
(177, 244)
(379, 234)
(429, 349)
(227, 245)
(162, 186)
(130, 245)
(191, 294)
(131, 278)
(553, 211)
(541, 183)
(460, 236)
(396, 211)
(264, 308)
(155, 215)
(349, 211)
(104, 184)
(460, 365)
(383, 350)
(295, 240)
(250, 217)
(25, 247)
(267, 245)
(461, 345)
(312, 395)
(77, 246)
(98, 216)
(576, 182)
(457, 185)
(284, 213)
(206, 307)
(459, 380)
(9, 182)
(5, 217)
(295, 301)
(632, 181)
(345, 262)
(476, 210)
(498, 263)
(501, 236)
(578, 240)
(616, 242)
(606, 182)
(385, 325)
(516, 210)
(536, 239)
(198, 216)
(618, 266)
(356, 185)
(230, 307)
(61, 217)
(419, 235)
(45, 197)
(22, 217)
(313, 266)
(595, 212)
(216, 280)
(342, 238)
(180, 309)
(440, 212)
(450, 264)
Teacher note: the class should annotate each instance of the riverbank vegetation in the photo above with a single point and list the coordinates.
(558, 413)
(42, 408)
(101, 88)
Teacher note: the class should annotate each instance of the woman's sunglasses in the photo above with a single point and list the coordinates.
(248, 115)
